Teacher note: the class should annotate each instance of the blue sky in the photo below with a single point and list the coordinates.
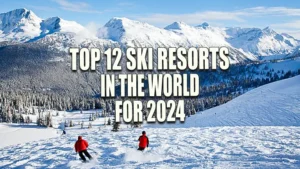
(281, 15)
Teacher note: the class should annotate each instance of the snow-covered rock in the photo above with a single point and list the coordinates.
(261, 42)
(57, 24)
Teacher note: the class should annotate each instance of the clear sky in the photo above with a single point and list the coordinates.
(281, 15)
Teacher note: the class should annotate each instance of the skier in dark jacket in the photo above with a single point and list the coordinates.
(81, 148)
(144, 141)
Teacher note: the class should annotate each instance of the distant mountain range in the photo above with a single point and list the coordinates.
(34, 51)
(22, 25)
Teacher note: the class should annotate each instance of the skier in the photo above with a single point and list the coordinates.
(144, 141)
(81, 148)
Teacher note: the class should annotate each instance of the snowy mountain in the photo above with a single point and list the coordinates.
(261, 42)
(246, 44)
(139, 34)
(56, 24)
(135, 33)
(21, 25)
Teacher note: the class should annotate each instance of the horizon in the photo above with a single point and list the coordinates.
(281, 17)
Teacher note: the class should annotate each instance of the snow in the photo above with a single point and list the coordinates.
(132, 33)
(245, 44)
(261, 42)
(216, 147)
(22, 25)
(55, 24)
(19, 25)
(274, 104)
(259, 129)
(17, 134)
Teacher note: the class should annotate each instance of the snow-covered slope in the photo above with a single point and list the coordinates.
(12, 134)
(135, 33)
(295, 53)
(261, 42)
(209, 147)
(274, 104)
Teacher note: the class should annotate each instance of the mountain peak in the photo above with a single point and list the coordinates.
(116, 27)
(120, 21)
(20, 24)
(23, 25)
(19, 10)
(18, 14)
(177, 26)
(268, 30)
(55, 24)
(204, 25)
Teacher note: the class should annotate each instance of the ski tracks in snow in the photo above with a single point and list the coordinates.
(233, 147)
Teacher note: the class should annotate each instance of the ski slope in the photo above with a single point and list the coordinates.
(216, 147)
(274, 104)
(258, 130)
(17, 134)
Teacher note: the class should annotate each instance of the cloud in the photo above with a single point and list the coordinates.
(89, 32)
(76, 6)
(294, 33)
(281, 11)
(291, 28)
(191, 18)
(235, 15)
(42, 8)
(292, 24)
(126, 4)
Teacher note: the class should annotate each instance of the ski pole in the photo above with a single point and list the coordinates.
(93, 151)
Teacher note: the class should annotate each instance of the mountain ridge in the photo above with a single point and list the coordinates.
(22, 25)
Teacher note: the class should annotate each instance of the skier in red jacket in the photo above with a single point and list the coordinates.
(81, 148)
(144, 141)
